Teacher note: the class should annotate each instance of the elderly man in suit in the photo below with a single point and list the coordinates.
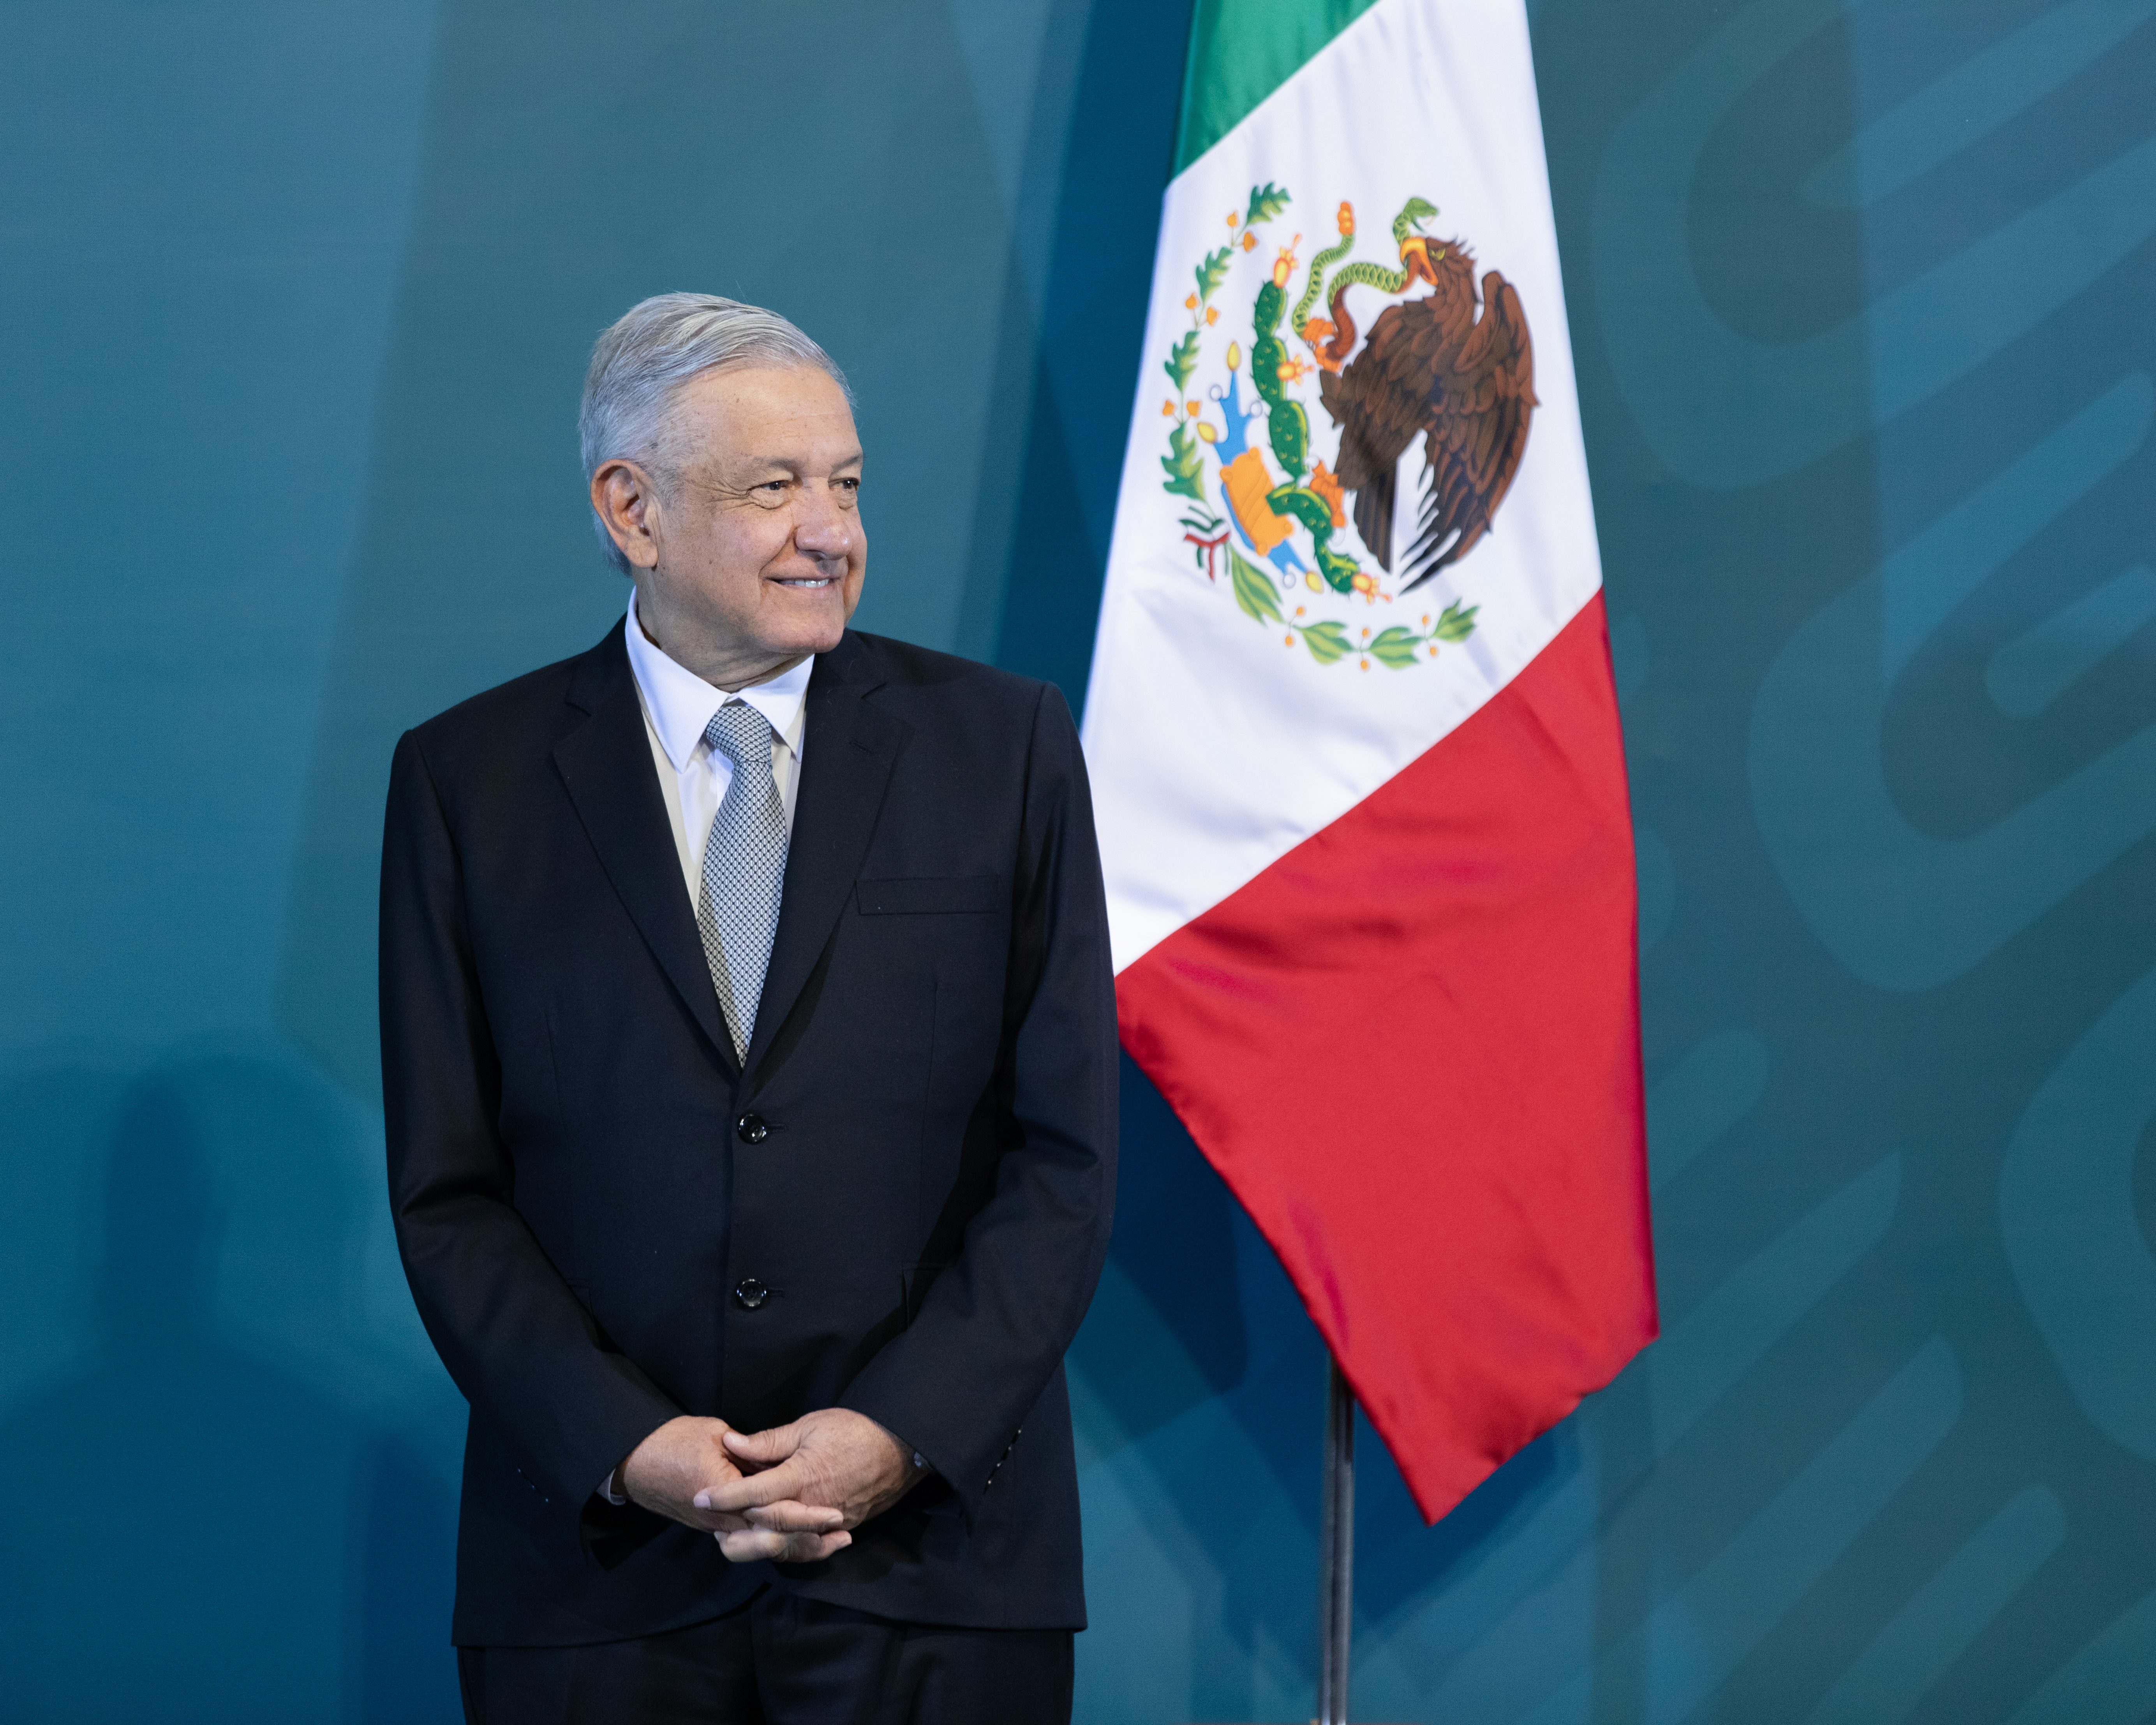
(748, 1051)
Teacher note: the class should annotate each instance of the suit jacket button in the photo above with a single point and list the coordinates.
(750, 1294)
(752, 1129)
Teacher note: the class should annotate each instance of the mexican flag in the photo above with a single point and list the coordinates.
(1351, 726)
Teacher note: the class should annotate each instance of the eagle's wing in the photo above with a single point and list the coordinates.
(1377, 403)
(1478, 406)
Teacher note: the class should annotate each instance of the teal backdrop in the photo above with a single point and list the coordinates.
(294, 298)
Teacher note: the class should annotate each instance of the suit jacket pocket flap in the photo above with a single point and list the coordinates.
(933, 895)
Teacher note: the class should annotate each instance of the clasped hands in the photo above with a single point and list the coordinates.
(792, 1493)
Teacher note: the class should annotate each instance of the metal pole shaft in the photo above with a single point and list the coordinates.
(1336, 1553)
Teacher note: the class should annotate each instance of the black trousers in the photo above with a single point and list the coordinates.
(779, 1660)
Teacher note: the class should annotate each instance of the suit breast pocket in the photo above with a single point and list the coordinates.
(934, 896)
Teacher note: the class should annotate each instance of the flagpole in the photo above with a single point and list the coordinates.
(1336, 1553)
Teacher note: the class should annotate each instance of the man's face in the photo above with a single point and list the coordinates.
(759, 541)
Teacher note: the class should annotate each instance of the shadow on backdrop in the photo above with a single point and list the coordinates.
(1073, 339)
(202, 1533)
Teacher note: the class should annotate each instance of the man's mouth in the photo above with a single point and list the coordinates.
(804, 581)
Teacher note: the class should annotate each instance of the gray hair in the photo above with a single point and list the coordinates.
(645, 358)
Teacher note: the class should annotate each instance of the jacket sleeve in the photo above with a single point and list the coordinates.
(958, 1380)
(518, 1344)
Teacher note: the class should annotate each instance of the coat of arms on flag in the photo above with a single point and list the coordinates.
(1453, 368)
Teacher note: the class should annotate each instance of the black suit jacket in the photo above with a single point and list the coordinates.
(919, 1158)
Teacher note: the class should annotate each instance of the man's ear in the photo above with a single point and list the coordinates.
(627, 500)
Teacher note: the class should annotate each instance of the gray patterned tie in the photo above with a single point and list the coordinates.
(744, 869)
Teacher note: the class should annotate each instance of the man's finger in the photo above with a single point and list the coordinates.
(782, 1548)
(774, 1485)
(765, 1447)
(751, 1547)
(791, 1517)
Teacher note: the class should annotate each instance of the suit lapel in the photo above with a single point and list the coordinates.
(606, 763)
(848, 747)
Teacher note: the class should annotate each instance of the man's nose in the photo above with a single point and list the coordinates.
(821, 526)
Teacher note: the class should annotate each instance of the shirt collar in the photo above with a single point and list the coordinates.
(681, 703)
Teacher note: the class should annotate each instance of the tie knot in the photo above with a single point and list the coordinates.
(738, 732)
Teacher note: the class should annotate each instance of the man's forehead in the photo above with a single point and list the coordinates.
(773, 414)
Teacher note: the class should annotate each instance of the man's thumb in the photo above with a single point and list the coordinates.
(762, 1445)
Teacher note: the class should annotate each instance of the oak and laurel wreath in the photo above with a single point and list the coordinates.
(1328, 639)
(1185, 461)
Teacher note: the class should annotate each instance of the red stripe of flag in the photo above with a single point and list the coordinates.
(1411, 1047)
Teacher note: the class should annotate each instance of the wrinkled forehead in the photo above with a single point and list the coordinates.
(793, 416)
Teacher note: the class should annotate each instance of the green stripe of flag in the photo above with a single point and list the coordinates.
(1241, 51)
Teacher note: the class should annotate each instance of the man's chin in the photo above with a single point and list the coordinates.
(805, 620)
(804, 635)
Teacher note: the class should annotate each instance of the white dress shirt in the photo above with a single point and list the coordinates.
(693, 775)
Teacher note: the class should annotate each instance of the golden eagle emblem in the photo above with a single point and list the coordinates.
(1454, 367)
